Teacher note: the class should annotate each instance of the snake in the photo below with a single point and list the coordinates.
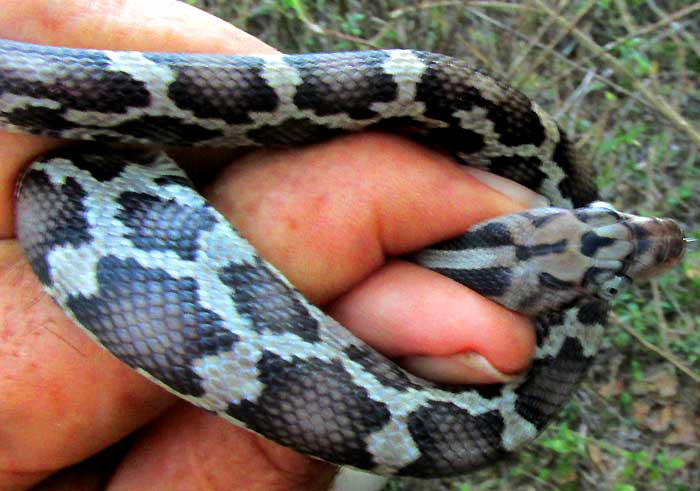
(122, 241)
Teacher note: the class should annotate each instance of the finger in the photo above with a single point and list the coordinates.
(422, 319)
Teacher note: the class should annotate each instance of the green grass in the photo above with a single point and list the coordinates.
(624, 79)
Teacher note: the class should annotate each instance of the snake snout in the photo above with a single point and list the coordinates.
(658, 246)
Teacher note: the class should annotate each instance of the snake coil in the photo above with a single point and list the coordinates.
(136, 257)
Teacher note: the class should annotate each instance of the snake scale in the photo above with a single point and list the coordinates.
(135, 256)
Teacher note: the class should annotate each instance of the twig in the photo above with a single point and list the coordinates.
(564, 59)
(565, 31)
(670, 357)
(663, 325)
(653, 196)
(625, 15)
(596, 132)
(575, 96)
(529, 47)
(400, 12)
(315, 27)
(669, 19)
(659, 103)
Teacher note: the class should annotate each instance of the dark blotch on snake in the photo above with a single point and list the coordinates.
(591, 242)
(548, 280)
(642, 238)
(43, 120)
(523, 170)
(167, 130)
(174, 180)
(92, 73)
(460, 141)
(442, 72)
(598, 214)
(152, 321)
(269, 304)
(443, 90)
(292, 131)
(490, 282)
(547, 387)
(523, 253)
(544, 323)
(594, 275)
(578, 183)
(158, 224)
(206, 87)
(374, 363)
(366, 83)
(436, 426)
(515, 122)
(102, 166)
(593, 311)
(441, 104)
(55, 217)
(489, 235)
(542, 220)
(313, 404)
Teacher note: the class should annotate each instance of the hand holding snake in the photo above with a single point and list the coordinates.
(402, 432)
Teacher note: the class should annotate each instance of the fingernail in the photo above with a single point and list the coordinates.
(461, 368)
(512, 189)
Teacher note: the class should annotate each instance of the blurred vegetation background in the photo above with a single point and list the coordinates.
(623, 78)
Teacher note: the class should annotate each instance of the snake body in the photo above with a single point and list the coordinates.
(136, 256)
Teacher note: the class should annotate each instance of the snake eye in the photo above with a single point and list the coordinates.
(609, 289)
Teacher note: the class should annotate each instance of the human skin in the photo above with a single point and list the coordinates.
(333, 234)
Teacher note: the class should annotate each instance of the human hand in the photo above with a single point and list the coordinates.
(328, 216)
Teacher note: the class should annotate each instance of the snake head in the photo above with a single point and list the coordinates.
(641, 248)
(544, 259)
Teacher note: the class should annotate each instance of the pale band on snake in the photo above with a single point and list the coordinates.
(135, 256)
